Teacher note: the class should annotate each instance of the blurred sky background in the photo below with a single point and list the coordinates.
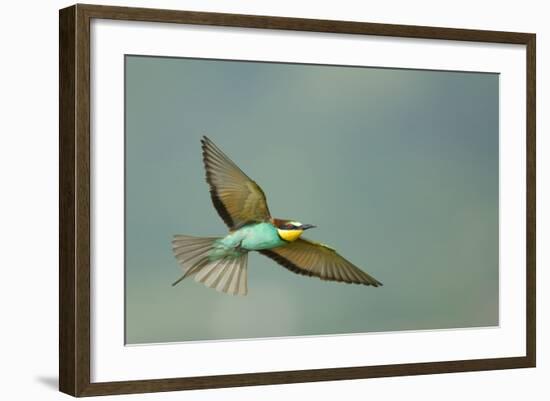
(397, 168)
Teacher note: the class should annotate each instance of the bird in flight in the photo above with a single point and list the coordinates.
(221, 262)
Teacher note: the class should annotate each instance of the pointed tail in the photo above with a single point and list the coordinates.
(224, 273)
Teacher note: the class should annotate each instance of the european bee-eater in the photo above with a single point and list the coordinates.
(221, 262)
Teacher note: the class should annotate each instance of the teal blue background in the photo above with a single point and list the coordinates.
(397, 168)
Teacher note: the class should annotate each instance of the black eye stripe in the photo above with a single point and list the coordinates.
(290, 227)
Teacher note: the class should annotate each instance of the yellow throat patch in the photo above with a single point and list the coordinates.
(290, 235)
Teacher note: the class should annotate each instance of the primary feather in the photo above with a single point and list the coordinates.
(236, 197)
(314, 259)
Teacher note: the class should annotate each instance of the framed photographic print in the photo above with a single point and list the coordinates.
(250, 200)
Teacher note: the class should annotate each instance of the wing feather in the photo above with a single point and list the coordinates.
(314, 259)
(236, 197)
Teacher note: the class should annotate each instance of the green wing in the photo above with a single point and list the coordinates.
(236, 197)
(314, 259)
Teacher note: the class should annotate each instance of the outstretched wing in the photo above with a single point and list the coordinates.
(236, 197)
(314, 259)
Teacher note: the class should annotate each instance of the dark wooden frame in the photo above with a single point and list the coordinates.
(74, 199)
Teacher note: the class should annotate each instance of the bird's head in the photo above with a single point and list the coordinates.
(290, 230)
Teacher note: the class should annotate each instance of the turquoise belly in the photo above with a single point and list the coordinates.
(254, 237)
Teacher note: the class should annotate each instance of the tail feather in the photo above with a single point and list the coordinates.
(226, 274)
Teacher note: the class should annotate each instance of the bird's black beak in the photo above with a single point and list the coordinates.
(307, 226)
